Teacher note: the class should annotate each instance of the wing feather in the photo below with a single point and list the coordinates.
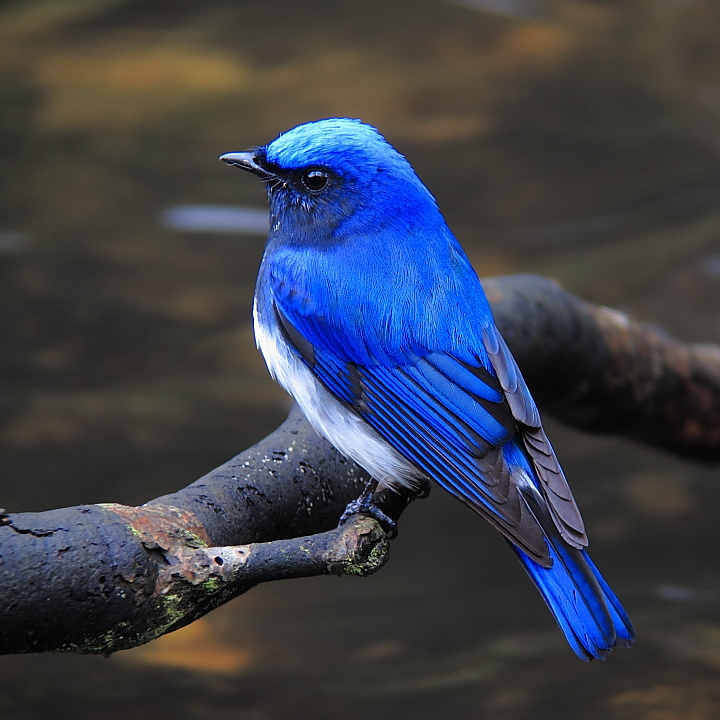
(451, 418)
(553, 483)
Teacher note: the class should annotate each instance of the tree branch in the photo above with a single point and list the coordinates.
(100, 578)
(598, 370)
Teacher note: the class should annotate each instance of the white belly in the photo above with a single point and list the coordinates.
(351, 435)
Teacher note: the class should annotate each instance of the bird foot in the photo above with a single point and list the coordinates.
(366, 505)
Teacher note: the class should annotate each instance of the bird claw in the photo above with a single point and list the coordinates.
(366, 505)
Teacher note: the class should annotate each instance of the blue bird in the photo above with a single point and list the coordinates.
(368, 312)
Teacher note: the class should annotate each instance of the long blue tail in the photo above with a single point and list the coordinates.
(592, 618)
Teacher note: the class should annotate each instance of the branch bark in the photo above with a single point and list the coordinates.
(100, 578)
(596, 369)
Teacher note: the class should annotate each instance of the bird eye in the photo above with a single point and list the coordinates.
(315, 180)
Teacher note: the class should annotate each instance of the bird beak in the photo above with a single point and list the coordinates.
(245, 160)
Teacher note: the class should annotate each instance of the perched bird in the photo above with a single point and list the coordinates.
(368, 312)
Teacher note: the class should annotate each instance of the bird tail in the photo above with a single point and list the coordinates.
(587, 610)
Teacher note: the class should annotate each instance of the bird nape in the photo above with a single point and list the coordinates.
(368, 312)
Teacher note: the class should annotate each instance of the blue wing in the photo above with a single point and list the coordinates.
(454, 416)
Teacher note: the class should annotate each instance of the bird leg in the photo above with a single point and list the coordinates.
(366, 504)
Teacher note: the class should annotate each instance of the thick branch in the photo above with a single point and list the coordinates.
(121, 584)
(596, 369)
(100, 578)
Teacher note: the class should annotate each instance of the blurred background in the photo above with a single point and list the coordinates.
(578, 139)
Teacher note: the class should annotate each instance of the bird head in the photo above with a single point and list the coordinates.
(332, 178)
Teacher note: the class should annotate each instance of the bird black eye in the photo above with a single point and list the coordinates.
(315, 180)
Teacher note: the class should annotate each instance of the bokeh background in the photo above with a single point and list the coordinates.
(574, 138)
